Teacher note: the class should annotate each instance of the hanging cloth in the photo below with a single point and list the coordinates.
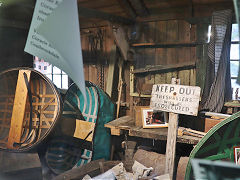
(236, 4)
(217, 88)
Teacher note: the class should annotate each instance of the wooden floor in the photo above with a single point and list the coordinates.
(20, 166)
(25, 174)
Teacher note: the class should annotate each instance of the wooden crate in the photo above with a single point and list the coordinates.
(138, 115)
(210, 122)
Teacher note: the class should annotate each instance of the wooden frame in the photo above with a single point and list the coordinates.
(149, 121)
(236, 151)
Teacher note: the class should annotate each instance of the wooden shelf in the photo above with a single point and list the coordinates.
(127, 123)
(164, 68)
(166, 45)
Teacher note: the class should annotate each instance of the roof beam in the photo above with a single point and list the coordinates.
(127, 7)
(139, 7)
(92, 13)
(182, 12)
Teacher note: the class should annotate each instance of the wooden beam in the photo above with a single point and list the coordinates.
(127, 7)
(210, 7)
(18, 112)
(111, 68)
(121, 41)
(181, 12)
(201, 55)
(139, 7)
(164, 68)
(166, 45)
(79, 172)
(92, 13)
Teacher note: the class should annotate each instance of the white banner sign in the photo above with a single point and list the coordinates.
(175, 98)
(54, 36)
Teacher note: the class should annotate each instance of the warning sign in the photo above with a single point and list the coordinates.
(178, 99)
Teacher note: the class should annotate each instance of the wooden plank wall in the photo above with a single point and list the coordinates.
(91, 65)
(172, 31)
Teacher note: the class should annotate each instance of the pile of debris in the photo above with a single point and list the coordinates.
(142, 164)
(139, 171)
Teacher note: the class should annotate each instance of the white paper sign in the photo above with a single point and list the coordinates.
(54, 36)
(175, 98)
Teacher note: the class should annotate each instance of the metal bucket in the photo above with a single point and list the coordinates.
(43, 107)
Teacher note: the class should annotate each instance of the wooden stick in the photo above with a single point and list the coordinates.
(196, 132)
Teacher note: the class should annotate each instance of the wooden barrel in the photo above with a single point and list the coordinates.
(30, 106)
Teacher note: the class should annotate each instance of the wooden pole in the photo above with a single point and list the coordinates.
(171, 139)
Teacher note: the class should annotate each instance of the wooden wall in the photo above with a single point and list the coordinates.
(93, 62)
(159, 33)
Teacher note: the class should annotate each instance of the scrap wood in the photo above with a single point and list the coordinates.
(106, 165)
(117, 172)
(187, 131)
(79, 172)
(140, 171)
(87, 177)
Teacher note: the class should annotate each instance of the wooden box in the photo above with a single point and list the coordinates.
(138, 115)
(210, 122)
